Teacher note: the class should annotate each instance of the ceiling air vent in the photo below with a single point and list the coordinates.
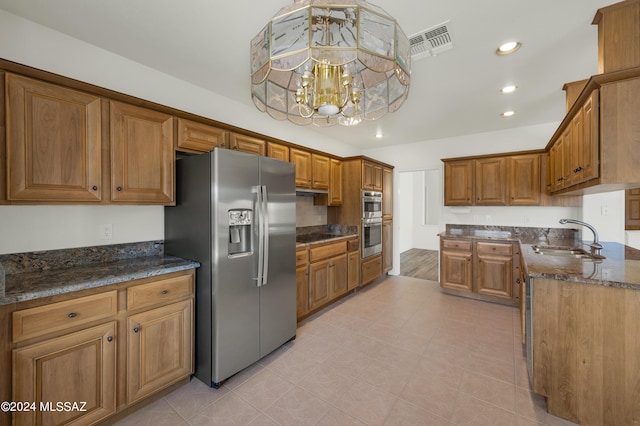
(431, 42)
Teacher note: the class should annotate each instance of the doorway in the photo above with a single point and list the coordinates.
(420, 205)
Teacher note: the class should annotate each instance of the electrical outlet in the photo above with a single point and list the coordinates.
(604, 210)
(106, 231)
(489, 219)
(525, 219)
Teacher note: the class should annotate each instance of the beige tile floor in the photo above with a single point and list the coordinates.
(397, 353)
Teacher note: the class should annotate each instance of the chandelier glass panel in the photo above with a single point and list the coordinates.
(330, 61)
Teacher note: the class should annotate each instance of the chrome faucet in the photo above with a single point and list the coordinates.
(595, 245)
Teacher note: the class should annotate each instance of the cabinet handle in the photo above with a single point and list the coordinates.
(72, 315)
(95, 188)
(560, 178)
(517, 280)
(136, 329)
(165, 291)
(109, 339)
(119, 188)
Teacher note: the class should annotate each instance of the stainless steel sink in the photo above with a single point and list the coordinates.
(574, 252)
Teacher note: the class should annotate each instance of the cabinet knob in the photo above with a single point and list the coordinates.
(136, 329)
(109, 339)
(165, 291)
(518, 280)
(94, 187)
(72, 315)
(119, 188)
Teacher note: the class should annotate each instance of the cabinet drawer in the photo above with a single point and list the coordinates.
(302, 257)
(330, 250)
(457, 244)
(496, 248)
(162, 291)
(46, 319)
(371, 269)
(353, 245)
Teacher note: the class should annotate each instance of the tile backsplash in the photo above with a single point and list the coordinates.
(307, 214)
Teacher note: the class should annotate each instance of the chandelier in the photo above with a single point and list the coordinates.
(330, 61)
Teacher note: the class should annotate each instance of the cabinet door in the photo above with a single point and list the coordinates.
(199, 137)
(302, 160)
(319, 290)
(632, 209)
(495, 275)
(338, 275)
(335, 183)
(247, 144)
(387, 246)
(387, 193)
(353, 270)
(77, 367)
(567, 146)
(524, 180)
(371, 269)
(142, 155)
(456, 270)
(577, 146)
(277, 151)
(556, 163)
(54, 145)
(458, 186)
(368, 181)
(302, 286)
(491, 181)
(320, 171)
(159, 348)
(377, 177)
(591, 137)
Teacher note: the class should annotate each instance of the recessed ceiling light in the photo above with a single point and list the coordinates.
(508, 113)
(509, 47)
(508, 89)
(379, 134)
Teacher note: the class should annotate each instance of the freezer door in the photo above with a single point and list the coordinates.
(278, 291)
(235, 293)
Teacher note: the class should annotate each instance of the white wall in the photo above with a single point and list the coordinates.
(405, 211)
(606, 213)
(34, 228)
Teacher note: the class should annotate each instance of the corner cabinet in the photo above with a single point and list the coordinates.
(54, 143)
(142, 155)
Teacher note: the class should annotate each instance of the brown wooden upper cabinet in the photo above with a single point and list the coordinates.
(493, 181)
(335, 182)
(320, 171)
(54, 143)
(302, 160)
(278, 151)
(458, 182)
(198, 137)
(524, 179)
(248, 144)
(387, 193)
(574, 154)
(142, 155)
(371, 176)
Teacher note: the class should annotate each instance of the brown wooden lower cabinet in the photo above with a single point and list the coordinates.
(585, 351)
(371, 268)
(105, 348)
(486, 270)
(78, 367)
(327, 280)
(353, 270)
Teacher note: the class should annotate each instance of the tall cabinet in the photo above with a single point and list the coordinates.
(363, 173)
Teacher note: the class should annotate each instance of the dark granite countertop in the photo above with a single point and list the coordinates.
(321, 234)
(620, 267)
(29, 276)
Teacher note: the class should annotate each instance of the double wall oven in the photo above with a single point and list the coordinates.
(371, 223)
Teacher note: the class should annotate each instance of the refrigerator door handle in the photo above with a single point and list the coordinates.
(265, 236)
(259, 215)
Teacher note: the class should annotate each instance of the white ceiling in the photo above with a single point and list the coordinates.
(206, 42)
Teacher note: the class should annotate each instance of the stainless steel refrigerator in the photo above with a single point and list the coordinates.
(235, 214)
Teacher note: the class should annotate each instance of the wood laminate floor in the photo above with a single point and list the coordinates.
(419, 263)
